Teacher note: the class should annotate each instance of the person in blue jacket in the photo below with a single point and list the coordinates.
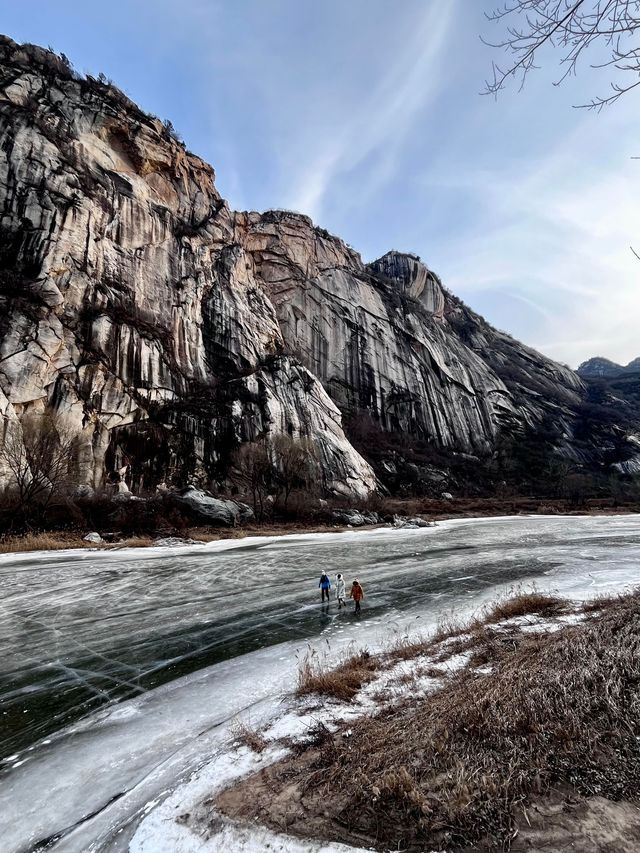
(325, 585)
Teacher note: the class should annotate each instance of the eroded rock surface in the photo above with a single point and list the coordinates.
(129, 304)
(163, 329)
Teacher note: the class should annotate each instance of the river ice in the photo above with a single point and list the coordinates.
(121, 672)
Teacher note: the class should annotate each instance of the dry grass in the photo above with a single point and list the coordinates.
(526, 604)
(129, 542)
(447, 771)
(249, 736)
(284, 528)
(600, 602)
(315, 676)
(63, 540)
(460, 636)
(40, 542)
(60, 540)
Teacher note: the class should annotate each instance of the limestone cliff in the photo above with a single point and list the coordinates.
(163, 329)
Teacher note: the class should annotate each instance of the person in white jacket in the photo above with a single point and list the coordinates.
(340, 590)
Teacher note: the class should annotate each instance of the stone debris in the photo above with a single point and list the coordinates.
(355, 518)
(404, 523)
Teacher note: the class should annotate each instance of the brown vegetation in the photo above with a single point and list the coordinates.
(526, 604)
(59, 540)
(341, 682)
(249, 736)
(62, 540)
(458, 768)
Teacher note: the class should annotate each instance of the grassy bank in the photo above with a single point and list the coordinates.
(435, 510)
(61, 540)
(517, 730)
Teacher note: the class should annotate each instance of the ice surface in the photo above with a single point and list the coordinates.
(121, 672)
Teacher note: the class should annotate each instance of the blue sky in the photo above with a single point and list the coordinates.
(366, 114)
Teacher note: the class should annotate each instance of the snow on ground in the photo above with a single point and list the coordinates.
(188, 821)
(211, 634)
(169, 828)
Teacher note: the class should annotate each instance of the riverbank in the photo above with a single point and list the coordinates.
(136, 669)
(69, 539)
(515, 730)
(429, 509)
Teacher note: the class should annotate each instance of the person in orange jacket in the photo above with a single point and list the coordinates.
(357, 593)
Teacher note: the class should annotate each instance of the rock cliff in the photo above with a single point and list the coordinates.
(163, 329)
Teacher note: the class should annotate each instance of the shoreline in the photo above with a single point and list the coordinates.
(63, 540)
(369, 702)
(181, 722)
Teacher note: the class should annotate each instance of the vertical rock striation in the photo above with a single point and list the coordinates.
(163, 329)
(388, 339)
(126, 297)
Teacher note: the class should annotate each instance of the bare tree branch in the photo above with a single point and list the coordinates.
(38, 456)
(572, 27)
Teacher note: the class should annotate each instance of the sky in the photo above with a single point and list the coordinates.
(368, 116)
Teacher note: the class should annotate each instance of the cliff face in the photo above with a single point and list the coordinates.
(387, 338)
(126, 296)
(163, 329)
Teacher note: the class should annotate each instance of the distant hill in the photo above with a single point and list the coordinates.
(604, 368)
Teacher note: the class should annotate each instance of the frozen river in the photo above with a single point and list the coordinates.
(120, 671)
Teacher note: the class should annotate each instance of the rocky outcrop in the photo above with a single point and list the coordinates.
(129, 305)
(213, 510)
(386, 338)
(163, 329)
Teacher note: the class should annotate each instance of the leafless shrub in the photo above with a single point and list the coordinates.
(316, 675)
(296, 467)
(38, 457)
(272, 471)
(254, 473)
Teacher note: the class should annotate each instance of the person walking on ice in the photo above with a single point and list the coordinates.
(357, 593)
(340, 590)
(325, 585)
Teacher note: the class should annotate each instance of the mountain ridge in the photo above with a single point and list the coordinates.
(604, 367)
(166, 330)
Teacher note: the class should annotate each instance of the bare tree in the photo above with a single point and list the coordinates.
(254, 471)
(38, 458)
(296, 466)
(276, 469)
(573, 27)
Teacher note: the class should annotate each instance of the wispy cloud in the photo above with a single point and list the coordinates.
(554, 234)
(366, 115)
(387, 113)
